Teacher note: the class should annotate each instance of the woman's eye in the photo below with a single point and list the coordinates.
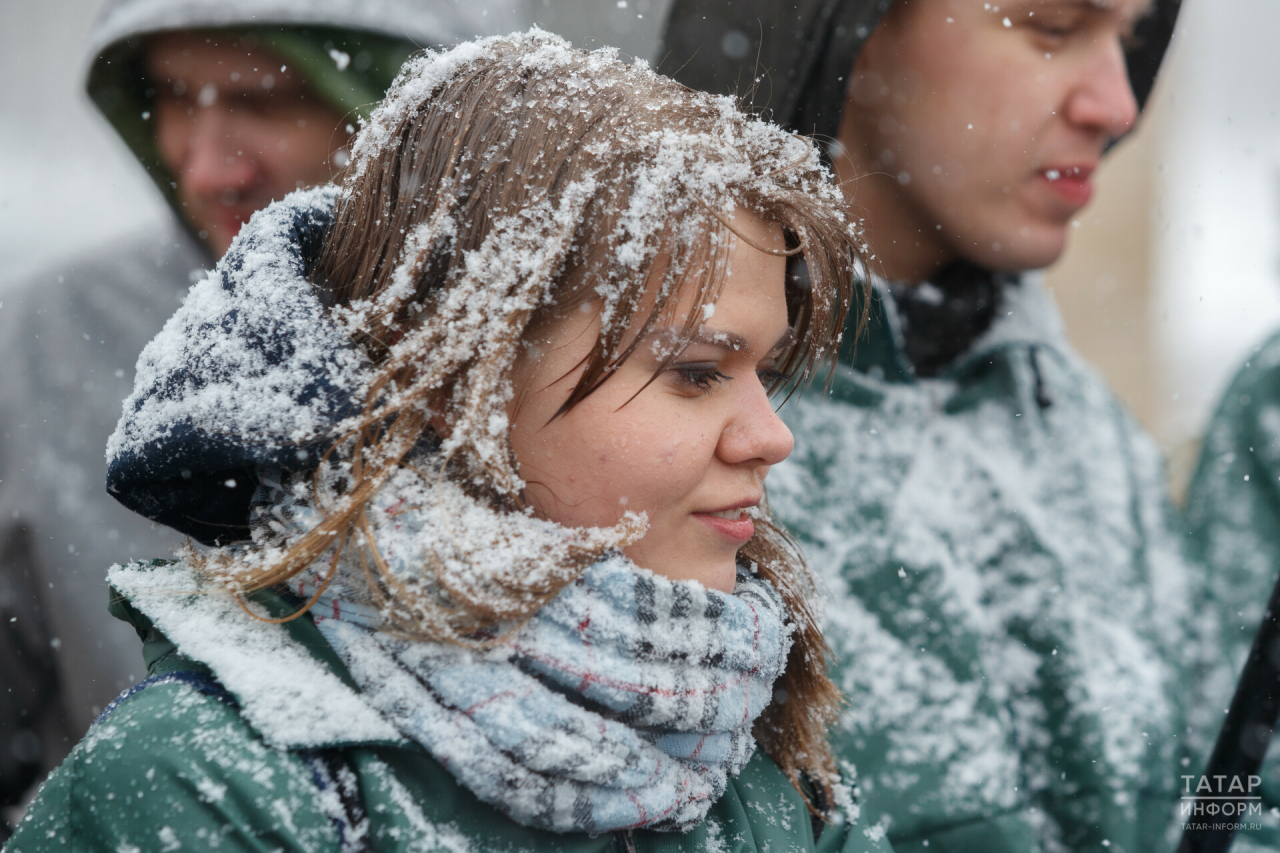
(702, 377)
(771, 378)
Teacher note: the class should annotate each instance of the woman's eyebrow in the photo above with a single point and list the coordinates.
(668, 336)
(736, 342)
(720, 339)
(723, 340)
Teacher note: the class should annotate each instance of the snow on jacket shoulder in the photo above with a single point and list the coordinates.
(181, 761)
(1233, 521)
(1006, 590)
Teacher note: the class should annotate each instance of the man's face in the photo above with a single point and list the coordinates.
(236, 128)
(977, 125)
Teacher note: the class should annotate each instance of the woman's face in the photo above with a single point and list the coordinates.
(973, 127)
(691, 449)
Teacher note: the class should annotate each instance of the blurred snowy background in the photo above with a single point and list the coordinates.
(1172, 277)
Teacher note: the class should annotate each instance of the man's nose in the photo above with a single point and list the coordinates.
(216, 160)
(1103, 100)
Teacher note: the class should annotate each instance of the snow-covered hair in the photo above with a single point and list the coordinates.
(502, 184)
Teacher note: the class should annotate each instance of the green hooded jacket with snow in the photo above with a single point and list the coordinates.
(1233, 518)
(182, 760)
(1006, 577)
(1007, 591)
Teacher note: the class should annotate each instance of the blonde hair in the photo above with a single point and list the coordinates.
(500, 185)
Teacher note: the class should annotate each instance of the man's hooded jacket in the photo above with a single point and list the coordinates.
(70, 336)
(1007, 583)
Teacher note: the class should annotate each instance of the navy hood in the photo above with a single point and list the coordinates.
(808, 48)
(250, 371)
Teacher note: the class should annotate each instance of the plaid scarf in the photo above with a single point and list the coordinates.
(625, 702)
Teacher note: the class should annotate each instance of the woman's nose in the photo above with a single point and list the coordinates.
(755, 434)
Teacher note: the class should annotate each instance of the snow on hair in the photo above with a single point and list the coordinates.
(501, 184)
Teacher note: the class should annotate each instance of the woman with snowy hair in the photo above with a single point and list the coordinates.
(477, 444)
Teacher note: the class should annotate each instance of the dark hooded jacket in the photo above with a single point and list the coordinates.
(1007, 581)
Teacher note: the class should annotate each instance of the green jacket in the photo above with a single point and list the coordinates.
(178, 764)
(1007, 591)
(1233, 519)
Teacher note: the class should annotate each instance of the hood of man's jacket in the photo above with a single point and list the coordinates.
(808, 47)
(349, 51)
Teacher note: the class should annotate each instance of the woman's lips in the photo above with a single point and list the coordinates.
(1070, 183)
(738, 528)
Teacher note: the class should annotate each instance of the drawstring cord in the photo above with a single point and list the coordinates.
(1043, 400)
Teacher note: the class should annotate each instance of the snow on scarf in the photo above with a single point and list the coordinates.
(625, 702)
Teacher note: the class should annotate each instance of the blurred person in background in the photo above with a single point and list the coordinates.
(227, 105)
(1008, 589)
(1233, 524)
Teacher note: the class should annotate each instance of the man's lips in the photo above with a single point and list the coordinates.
(1070, 183)
(230, 220)
(730, 522)
(234, 217)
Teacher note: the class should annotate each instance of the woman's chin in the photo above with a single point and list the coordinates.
(721, 576)
(714, 573)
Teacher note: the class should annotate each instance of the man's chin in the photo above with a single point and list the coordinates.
(1020, 252)
(217, 227)
(217, 236)
(217, 245)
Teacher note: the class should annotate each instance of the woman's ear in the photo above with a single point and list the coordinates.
(440, 423)
(438, 418)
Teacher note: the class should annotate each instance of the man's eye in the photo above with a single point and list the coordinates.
(1053, 27)
(1130, 41)
(258, 103)
(701, 377)
(1052, 31)
(169, 98)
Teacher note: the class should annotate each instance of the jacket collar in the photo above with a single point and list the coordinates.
(1028, 317)
(290, 685)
